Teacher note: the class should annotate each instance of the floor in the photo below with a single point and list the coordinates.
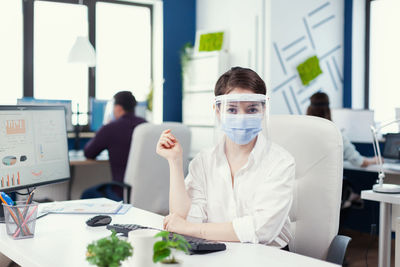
(357, 251)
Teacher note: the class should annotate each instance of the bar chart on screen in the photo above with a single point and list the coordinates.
(10, 179)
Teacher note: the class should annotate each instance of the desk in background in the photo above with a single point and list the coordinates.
(60, 240)
(363, 179)
(76, 159)
(386, 201)
(85, 173)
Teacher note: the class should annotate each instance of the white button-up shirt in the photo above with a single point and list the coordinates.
(258, 204)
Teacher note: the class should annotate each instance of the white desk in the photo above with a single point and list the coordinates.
(385, 222)
(61, 240)
(371, 168)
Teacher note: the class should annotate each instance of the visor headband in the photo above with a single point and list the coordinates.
(241, 97)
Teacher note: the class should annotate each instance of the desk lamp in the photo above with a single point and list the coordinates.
(380, 187)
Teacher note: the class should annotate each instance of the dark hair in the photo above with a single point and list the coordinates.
(319, 106)
(126, 100)
(238, 77)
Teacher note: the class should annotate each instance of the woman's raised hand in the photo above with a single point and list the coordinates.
(168, 146)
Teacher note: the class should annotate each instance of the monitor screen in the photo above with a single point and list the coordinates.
(101, 112)
(67, 104)
(33, 146)
(355, 124)
(97, 109)
(392, 146)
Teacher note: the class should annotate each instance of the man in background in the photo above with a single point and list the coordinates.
(116, 137)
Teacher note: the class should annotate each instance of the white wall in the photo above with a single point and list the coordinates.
(242, 21)
(301, 29)
(256, 27)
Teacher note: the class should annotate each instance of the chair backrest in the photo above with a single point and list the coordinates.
(147, 172)
(317, 146)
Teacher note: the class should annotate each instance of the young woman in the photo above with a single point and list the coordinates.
(241, 189)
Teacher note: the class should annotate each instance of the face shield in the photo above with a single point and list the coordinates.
(241, 117)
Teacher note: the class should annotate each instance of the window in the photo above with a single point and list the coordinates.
(11, 68)
(38, 36)
(123, 49)
(56, 27)
(384, 89)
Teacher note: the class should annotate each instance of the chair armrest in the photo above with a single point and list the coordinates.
(337, 249)
(126, 189)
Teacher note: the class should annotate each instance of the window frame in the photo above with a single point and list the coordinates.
(28, 41)
(367, 51)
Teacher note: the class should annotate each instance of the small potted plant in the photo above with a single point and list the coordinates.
(162, 249)
(109, 251)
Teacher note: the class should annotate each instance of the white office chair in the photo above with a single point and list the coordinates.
(148, 173)
(317, 146)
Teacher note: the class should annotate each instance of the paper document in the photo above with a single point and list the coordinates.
(84, 206)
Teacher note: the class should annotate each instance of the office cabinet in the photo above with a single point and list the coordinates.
(199, 77)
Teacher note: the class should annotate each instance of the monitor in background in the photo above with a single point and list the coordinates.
(392, 146)
(355, 123)
(101, 112)
(67, 104)
(140, 109)
(33, 146)
(97, 109)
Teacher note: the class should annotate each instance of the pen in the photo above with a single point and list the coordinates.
(19, 218)
(28, 202)
(26, 220)
(4, 198)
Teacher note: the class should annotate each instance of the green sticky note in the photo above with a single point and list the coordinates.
(309, 70)
(211, 41)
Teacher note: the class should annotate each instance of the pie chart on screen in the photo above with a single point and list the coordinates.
(9, 160)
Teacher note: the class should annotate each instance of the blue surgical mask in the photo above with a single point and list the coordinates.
(243, 128)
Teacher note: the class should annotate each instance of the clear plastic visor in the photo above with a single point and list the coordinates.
(240, 104)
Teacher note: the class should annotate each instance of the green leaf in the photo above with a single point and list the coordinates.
(108, 252)
(163, 234)
(160, 245)
(161, 254)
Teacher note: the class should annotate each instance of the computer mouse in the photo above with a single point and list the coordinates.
(99, 220)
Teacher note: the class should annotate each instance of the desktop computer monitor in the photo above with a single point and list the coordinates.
(67, 104)
(97, 109)
(392, 146)
(101, 112)
(33, 146)
(356, 124)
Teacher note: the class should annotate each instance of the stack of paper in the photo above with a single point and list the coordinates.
(84, 206)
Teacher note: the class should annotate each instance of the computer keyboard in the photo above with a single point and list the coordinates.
(198, 245)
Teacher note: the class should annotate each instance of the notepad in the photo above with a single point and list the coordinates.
(82, 206)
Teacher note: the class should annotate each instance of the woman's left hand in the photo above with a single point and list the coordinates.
(175, 223)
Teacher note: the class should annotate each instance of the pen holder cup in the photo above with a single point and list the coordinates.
(20, 219)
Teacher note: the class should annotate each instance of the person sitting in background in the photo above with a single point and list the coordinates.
(116, 137)
(319, 107)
